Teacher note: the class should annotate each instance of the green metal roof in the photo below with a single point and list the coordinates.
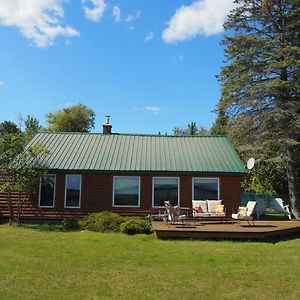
(139, 153)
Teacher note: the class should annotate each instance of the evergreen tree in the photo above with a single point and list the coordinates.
(192, 129)
(261, 83)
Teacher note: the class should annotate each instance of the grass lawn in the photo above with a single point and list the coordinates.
(45, 264)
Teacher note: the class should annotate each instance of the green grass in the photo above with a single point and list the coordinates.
(52, 264)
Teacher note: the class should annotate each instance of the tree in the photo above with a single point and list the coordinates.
(192, 129)
(32, 126)
(76, 118)
(261, 83)
(8, 127)
(21, 175)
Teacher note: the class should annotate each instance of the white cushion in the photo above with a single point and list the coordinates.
(202, 204)
(212, 205)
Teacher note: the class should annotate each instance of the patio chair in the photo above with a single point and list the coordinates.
(174, 215)
(247, 215)
(281, 208)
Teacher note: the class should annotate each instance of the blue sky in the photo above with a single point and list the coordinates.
(151, 65)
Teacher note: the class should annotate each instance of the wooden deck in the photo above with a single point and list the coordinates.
(263, 230)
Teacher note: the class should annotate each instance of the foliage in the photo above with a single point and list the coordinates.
(71, 223)
(136, 226)
(21, 171)
(102, 222)
(267, 178)
(32, 126)
(8, 127)
(116, 266)
(76, 118)
(261, 86)
(192, 129)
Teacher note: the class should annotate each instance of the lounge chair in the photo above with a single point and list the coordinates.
(174, 215)
(281, 208)
(246, 214)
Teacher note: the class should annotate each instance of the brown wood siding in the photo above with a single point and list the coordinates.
(97, 191)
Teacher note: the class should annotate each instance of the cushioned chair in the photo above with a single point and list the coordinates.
(174, 215)
(246, 214)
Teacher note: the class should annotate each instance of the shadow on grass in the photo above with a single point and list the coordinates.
(47, 227)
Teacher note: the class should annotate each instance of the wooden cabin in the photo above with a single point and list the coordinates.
(131, 174)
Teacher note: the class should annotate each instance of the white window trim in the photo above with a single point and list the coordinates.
(113, 194)
(178, 188)
(195, 178)
(54, 194)
(65, 200)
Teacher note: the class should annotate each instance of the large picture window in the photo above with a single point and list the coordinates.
(73, 191)
(126, 191)
(205, 188)
(165, 189)
(47, 191)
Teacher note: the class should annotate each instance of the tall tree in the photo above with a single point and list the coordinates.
(32, 126)
(261, 82)
(76, 118)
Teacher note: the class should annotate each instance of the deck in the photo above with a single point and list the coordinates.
(263, 230)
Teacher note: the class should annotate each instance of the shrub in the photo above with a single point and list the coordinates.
(102, 222)
(70, 223)
(136, 226)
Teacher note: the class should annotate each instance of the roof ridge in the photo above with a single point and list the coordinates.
(133, 134)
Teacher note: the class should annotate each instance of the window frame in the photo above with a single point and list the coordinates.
(162, 177)
(139, 191)
(193, 191)
(65, 197)
(54, 193)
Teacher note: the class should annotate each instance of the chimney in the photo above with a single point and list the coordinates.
(107, 127)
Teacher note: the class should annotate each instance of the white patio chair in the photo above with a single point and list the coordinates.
(281, 208)
(249, 213)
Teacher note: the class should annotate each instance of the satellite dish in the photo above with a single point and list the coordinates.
(250, 163)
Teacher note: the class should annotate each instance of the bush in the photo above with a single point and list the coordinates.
(136, 226)
(70, 223)
(102, 222)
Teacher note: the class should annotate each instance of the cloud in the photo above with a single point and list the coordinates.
(154, 109)
(131, 18)
(1, 83)
(96, 12)
(116, 14)
(203, 17)
(149, 37)
(40, 21)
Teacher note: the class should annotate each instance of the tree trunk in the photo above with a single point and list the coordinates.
(293, 186)
(10, 208)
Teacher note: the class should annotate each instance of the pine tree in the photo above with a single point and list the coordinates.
(261, 82)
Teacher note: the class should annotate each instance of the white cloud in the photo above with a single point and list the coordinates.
(95, 12)
(149, 37)
(40, 21)
(203, 17)
(154, 109)
(132, 18)
(116, 14)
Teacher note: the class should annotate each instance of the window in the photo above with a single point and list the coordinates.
(205, 188)
(165, 189)
(47, 191)
(126, 191)
(73, 191)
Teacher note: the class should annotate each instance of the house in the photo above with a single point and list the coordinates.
(132, 174)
